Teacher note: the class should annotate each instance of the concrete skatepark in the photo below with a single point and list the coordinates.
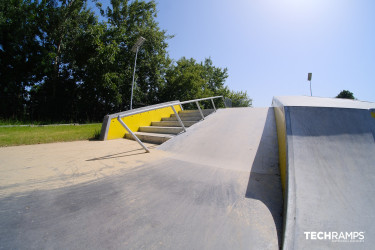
(243, 178)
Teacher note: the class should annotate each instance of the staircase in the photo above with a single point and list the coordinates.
(168, 127)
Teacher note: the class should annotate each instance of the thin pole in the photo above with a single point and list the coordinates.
(200, 110)
(134, 136)
(213, 104)
(135, 65)
(310, 89)
(179, 119)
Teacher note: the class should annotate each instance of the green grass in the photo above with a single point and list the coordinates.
(18, 122)
(11, 136)
(4, 122)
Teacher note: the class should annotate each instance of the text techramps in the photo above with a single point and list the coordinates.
(328, 173)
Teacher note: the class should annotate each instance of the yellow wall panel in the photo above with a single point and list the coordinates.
(281, 136)
(116, 130)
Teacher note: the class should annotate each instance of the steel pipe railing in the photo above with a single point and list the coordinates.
(164, 105)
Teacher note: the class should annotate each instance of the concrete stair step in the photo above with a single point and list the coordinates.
(172, 123)
(162, 130)
(192, 113)
(155, 138)
(196, 110)
(183, 118)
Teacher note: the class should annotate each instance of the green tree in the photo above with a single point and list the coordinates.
(64, 24)
(346, 94)
(184, 81)
(108, 74)
(128, 21)
(19, 55)
(188, 80)
(59, 62)
(214, 76)
(238, 98)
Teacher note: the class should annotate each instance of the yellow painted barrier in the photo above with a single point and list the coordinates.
(373, 114)
(116, 130)
(281, 136)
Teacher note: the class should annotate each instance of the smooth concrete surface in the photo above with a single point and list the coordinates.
(330, 177)
(156, 138)
(313, 101)
(169, 201)
(173, 123)
(183, 118)
(240, 140)
(162, 130)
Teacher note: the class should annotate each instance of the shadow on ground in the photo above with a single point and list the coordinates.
(139, 151)
(264, 180)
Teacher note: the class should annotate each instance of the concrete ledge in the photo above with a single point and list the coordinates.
(286, 171)
(155, 138)
(162, 130)
(173, 123)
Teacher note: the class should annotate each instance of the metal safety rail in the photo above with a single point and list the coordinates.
(165, 105)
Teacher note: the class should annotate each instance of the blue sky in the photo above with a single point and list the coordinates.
(269, 46)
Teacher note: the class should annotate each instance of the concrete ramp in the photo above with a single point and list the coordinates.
(231, 139)
(329, 172)
(215, 187)
(240, 142)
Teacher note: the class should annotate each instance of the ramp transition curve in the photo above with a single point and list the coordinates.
(328, 172)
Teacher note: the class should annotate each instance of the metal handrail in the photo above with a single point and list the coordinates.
(163, 105)
(202, 99)
(146, 109)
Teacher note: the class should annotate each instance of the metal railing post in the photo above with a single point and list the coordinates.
(200, 110)
(179, 119)
(213, 104)
(134, 136)
(225, 105)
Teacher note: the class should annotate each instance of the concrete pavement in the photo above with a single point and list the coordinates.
(197, 198)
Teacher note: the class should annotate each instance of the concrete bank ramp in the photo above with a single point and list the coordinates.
(240, 142)
(330, 172)
(215, 187)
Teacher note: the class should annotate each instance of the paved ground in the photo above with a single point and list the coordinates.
(48, 166)
(331, 178)
(222, 191)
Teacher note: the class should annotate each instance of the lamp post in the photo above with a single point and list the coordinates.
(135, 49)
(309, 76)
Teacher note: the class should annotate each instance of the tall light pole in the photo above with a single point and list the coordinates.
(135, 49)
(309, 76)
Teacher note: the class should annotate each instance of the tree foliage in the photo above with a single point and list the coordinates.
(187, 79)
(346, 94)
(59, 61)
(238, 98)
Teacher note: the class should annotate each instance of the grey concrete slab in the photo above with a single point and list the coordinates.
(156, 138)
(313, 101)
(230, 138)
(173, 202)
(183, 118)
(240, 139)
(173, 123)
(331, 178)
(162, 130)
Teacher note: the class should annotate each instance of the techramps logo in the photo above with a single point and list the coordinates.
(344, 237)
